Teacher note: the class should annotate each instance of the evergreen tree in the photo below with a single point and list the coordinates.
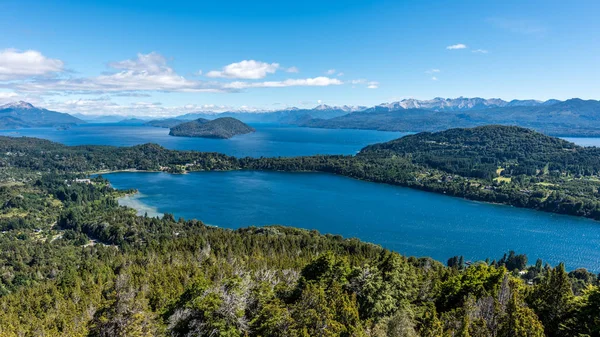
(552, 300)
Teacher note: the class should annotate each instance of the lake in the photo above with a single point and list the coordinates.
(268, 140)
(408, 221)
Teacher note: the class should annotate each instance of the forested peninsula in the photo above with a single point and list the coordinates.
(75, 263)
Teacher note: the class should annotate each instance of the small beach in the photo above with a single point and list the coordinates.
(134, 201)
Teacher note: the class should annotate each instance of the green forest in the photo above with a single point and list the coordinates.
(75, 263)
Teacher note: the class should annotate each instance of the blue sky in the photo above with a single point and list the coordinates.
(166, 58)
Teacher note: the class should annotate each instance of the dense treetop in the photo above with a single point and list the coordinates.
(486, 148)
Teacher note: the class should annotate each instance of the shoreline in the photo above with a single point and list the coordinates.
(132, 200)
(135, 201)
(118, 171)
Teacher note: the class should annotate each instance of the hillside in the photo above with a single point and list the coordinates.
(224, 127)
(573, 117)
(480, 151)
(9, 122)
(132, 121)
(24, 115)
(165, 123)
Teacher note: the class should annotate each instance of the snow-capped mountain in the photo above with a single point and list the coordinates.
(455, 104)
(22, 114)
(20, 105)
(347, 108)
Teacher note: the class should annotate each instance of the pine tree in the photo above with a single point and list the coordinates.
(519, 320)
(431, 326)
(552, 300)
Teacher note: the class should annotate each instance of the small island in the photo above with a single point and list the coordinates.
(222, 128)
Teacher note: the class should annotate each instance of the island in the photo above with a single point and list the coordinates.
(222, 128)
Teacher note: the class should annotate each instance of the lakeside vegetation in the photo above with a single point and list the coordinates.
(75, 263)
(499, 164)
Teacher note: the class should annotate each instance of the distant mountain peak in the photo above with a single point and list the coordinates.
(347, 108)
(323, 107)
(21, 105)
(23, 114)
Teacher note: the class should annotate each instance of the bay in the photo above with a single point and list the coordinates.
(408, 221)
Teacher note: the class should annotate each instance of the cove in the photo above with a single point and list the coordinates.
(408, 221)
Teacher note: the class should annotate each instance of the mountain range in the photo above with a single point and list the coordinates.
(286, 116)
(573, 117)
(24, 115)
(457, 104)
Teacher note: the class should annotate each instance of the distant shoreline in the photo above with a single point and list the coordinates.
(119, 171)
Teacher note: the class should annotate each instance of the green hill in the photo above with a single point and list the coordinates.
(482, 150)
(165, 123)
(225, 127)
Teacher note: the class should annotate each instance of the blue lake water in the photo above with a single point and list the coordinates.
(584, 141)
(405, 220)
(408, 221)
(267, 141)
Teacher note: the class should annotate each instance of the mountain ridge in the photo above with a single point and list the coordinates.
(24, 115)
(574, 117)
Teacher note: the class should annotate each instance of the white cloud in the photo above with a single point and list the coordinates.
(369, 84)
(104, 106)
(15, 64)
(5, 95)
(340, 74)
(457, 46)
(433, 78)
(247, 69)
(292, 70)
(320, 81)
(330, 72)
(432, 71)
(373, 85)
(319, 101)
(147, 72)
(481, 51)
(152, 63)
(520, 26)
